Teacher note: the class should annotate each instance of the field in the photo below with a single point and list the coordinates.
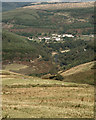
(48, 102)
(33, 97)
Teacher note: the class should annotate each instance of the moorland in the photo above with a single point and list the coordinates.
(48, 55)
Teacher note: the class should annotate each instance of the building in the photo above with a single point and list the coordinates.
(57, 39)
(59, 35)
(47, 38)
(67, 35)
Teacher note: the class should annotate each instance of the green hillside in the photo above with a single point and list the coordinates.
(38, 56)
(18, 47)
(34, 21)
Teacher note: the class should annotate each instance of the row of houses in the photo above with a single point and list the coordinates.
(56, 37)
(64, 35)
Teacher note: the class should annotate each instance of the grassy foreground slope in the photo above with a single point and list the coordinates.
(32, 97)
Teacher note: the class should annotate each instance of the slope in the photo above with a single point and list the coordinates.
(63, 19)
(22, 47)
(6, 6)
(80, 74)
(17, 49)
(32, 97)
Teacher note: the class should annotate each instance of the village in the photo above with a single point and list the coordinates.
(53, 37)
(60, 37)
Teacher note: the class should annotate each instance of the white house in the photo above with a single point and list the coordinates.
(54, 37)
(59, 35)
(57, 39)
(39, 38)
(91, 35)
(84, 49)
(47, 38)
(68, 35)
(54, 34)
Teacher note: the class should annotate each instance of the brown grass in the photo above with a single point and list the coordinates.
(48, 102)
(78, 69)
(62, 5)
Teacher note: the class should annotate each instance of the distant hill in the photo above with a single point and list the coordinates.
(47, 0)
(61, 5)
(50, 18)
(6, 6)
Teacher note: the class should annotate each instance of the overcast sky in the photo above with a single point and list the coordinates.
(44, 0)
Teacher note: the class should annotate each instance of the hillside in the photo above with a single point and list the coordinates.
(26, 52)
(22, 47)
(6, 6)
(38, 56)
(32, 23)
(62, 5)
(48, 61)
(35, 22)
(80, 74)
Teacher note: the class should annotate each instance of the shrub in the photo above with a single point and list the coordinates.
(59, 77)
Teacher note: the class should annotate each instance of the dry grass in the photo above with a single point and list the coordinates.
(62, 6)
(14, 66)
(79, 68)
(45, 102)
(48, 102)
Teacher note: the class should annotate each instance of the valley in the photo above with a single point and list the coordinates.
(48, 60)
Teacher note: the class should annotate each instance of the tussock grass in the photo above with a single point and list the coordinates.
(32, 97)
(48, 102)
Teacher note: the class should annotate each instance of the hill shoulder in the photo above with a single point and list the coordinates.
(62, 5)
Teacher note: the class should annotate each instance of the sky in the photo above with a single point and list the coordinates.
(45, 0)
